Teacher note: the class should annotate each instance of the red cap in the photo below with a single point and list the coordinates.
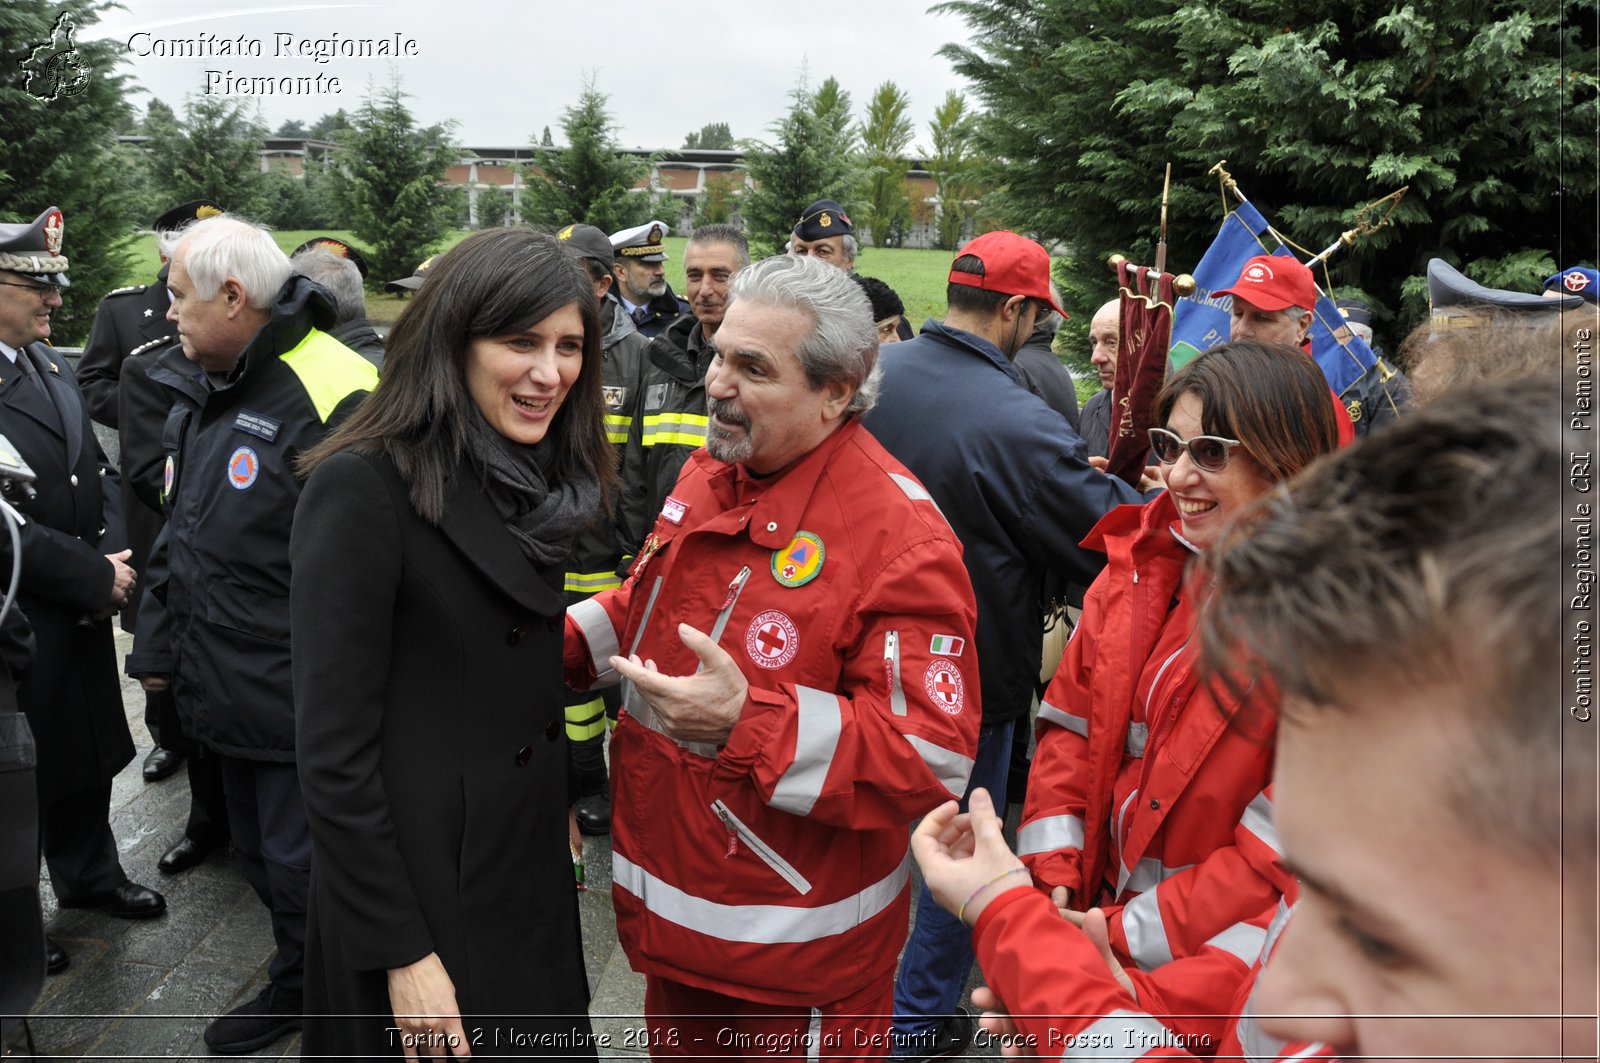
(1012, 264)
(1274, 282)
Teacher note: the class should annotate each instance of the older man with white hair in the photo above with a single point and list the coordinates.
(254, 382)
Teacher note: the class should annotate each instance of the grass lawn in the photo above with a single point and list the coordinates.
(917, 275)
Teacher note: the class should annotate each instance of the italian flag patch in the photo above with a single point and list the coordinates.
(947, 645)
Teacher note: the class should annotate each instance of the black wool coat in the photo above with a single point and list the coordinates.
(73, 695)
(433, 758)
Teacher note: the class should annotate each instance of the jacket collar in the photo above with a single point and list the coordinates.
(55, 405)
(778, 501)
(681, 351)
(472, 524)
(969, 342)
(300, 306)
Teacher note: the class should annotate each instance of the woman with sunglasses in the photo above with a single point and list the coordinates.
(1148, 794)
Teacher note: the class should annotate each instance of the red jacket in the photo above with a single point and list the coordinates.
(776, 867)
(1148, 792)
(1065, 1003)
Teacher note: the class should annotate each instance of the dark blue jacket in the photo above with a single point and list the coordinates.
(1011, 477)
(216, 618)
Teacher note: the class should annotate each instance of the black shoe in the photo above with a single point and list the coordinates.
(128, 901)
(55, 957)
(256, 1023)
(950, 1038)
(181, 857)
(594, 814)
(161, 763)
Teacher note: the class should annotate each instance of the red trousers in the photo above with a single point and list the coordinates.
(686, 1021)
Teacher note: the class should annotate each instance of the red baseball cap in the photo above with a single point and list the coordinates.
(1012, 264)
(1275, 282)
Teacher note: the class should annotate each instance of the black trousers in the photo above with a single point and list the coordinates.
(75, 835)
(272, 841)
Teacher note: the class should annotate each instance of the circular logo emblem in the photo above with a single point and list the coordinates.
(1575, 281)
(799, 562)
(772, 640)
(943, 683)
(168, 476)
(243, 468)
(1258, 273)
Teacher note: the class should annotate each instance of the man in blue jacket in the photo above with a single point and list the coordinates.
(255, 381)
(1013, 479)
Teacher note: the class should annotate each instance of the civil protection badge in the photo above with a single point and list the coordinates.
(798, 563)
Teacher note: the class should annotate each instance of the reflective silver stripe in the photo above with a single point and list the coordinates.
(1146, 875)
(1062, 718)
(1147, 937)
(1274, 928)
(1116, 831)
(1138, 734)
(1257, 819)
(1241, 940)
(1155, 684)
(758, 924)
(814, 1037)
(770, 856)
(916, 492)
(1258, 1045)
(632, 700)
(819, 721)
(1123, 1035)
(649, 607)
(891, 659)
(1049, 834)
(598, 632)
(949, 767)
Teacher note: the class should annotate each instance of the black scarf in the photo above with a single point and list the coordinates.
(545, 519)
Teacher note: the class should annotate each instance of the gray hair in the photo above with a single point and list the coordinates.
(337, 274)
(223, 246)
(843, 343)
(851, 248)
(723, 233)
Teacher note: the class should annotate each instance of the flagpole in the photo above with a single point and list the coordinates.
(1363, 227)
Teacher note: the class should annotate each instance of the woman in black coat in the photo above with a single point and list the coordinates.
(428, 553)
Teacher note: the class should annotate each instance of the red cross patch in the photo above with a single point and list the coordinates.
(772, 640)
(944, 685)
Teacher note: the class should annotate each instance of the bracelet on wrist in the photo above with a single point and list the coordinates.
(962, 911)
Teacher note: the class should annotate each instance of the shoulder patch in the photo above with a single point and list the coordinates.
(133, 289)
(146, 346)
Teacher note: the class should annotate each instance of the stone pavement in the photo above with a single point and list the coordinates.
(141, 990)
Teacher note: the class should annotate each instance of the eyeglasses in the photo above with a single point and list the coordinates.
(1210, 453)
(41, 290)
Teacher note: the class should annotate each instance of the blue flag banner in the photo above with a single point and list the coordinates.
(1201, 320)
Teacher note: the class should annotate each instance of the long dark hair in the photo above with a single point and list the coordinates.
(493, 283)
(1270, 397)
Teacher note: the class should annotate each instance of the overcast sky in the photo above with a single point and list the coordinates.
(504, 69)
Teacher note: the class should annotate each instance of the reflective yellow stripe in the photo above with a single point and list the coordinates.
(683, 429)
(617, 426)
(586, 721)
(329, 371)
(657, 419)
(592, 582)
(683, 439)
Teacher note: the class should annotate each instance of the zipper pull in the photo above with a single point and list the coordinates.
(891, 650)
(733, 837)
(736, 585)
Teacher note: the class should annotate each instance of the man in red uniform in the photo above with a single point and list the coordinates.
(798, 687)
